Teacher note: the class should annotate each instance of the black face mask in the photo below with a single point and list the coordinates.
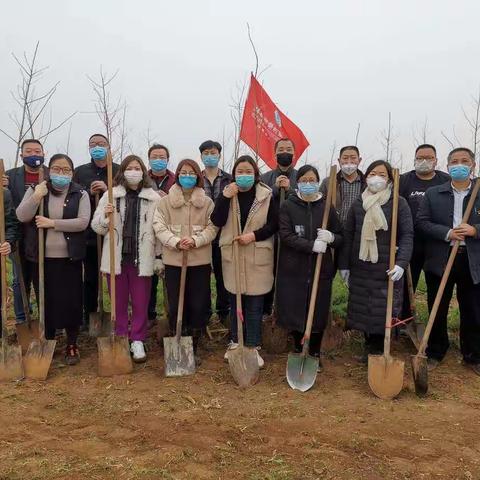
(284, 159)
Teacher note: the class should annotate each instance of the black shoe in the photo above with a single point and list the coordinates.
(475, 367)
(198, 360)
(72, 355)
(362, 358)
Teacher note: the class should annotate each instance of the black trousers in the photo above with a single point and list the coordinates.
(269, 297)
(90, 282)
(222, 304)
(315, 342)
(152, 303)
(468, 296)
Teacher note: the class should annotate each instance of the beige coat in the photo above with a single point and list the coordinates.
(256, 259)
(176, 218)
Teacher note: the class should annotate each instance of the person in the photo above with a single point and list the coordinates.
(258, 220)
(136, 252)
(92, 176)
(182, 224)
(65, 220)
(364, 259)
(20, 179)
(162, 180)
(214, 181)
(350, 181)
(439, 221)
(302, 238)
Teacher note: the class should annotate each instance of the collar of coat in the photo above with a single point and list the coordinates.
(177, 200)
(146, 193)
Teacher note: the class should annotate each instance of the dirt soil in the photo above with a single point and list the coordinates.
(144, 426)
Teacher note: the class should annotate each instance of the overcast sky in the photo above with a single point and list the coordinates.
(333, 65)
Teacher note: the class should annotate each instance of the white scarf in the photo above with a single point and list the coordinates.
(374, 220)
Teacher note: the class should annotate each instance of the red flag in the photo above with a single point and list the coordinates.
(263, 124)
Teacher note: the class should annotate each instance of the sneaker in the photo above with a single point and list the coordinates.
(138, 351)
(261, 363)
(72, 355)
(432, 364)
(231, 346)
(475, 367)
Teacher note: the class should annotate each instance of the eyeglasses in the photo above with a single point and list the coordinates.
(98, 144)
(58, 170)
(424, 158)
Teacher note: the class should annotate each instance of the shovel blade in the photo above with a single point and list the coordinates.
(178, 355)
(99, 324)
(385, 376)
(113, 356)
(11, 365)
(301, 371)
(274, 338)
(243, 363)
(420, 374)
(38, 359)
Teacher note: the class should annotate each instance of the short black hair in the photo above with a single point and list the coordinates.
(208, 144)
(376, 164)
(251, 161)
(158, 146)
(426, 145)
(284, 140)
(30, 140)
(349, 147)
(307, 168)
(461, 149)
(99, 135)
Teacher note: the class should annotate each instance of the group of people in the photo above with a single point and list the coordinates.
(165, 220)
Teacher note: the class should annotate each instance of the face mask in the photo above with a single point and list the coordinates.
(210, 160)
(245, 181)
(98, 153)
(60, 181)
(158, 164)
(284, 159)
(33, 161)
(349, 168)
(424, 166)
(459, 172)
(133, 177)
(376, 184)
(308, 188)
(187, 181)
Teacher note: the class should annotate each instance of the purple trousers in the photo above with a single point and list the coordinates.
(131, 287)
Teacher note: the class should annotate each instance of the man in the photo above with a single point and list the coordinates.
(93, 177)
(19, 180)
(440, 222)
(162, 179)
(350, 181)
(215, 180)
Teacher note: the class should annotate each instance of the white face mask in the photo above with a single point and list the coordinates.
(349, 168)
(424, 166)
(376, 184)
(133, 177)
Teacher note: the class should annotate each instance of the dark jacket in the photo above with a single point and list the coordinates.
(16, 183)
(298, 225)
(435, 219)
(270, 177)
(12, 225)
(76, 241)
(85, 175)
(367, 302)
(162, 183)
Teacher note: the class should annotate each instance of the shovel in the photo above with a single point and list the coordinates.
(11, 366)
(99, 321)
(385, 373)
(415, 328)
(178, 350)
(243, 361)
(23, 288)
(40, 352)
(302, 367)
(419, 361)
(113, 352)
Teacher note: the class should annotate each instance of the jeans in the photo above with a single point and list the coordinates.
(252, 307)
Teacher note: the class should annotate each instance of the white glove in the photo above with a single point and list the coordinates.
(158, 267)
(345, 275)
(319, 246)
(396, 273)
(325, 235)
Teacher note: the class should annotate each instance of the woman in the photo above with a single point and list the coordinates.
(65, 219)
(301, 239)
(134, 203)
(182, 224)
(364, 260)
(258, 220)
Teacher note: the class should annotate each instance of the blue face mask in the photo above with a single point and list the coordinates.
(211, 160)
(158, 164)
(33, 161)
(245, 181)
(308, 188)
(459, 172)
(60, 181)
(187, 181)
(98, 153)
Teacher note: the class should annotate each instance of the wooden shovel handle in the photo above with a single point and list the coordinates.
(111, 238)
(236, 264)
(181, 294)
(41, 266)
(282, 199)
(446, 273)
(99, 261)
(3, 260)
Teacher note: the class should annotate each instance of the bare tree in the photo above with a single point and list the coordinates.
(236, 114)
(421, 137)
(35, 118)
(473, 122)
(333, 151)
(357, 133)
(387, 139)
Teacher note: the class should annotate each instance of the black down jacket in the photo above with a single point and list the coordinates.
(367, 302)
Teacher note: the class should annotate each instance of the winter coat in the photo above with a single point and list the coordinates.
(177, 217)
(269, 178)
(148, 248)
(162, 184)
(299, 221)
(367, 302)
